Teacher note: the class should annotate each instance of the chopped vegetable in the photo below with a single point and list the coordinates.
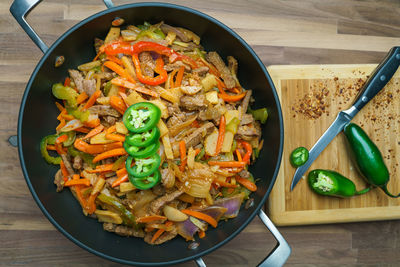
(299, 156)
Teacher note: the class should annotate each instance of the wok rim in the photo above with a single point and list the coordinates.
(75, 240)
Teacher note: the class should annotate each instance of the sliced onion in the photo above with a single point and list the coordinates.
(232, 204)
(187, 229)
(215, 211)
(71, 125)
(200, 224)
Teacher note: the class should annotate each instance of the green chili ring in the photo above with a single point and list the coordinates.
(147, 182)
(154, 117)
(144, 169)
(299, 156)
(142, 152)
(140, 139)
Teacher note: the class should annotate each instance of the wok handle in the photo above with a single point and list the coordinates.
(278, 256)
(20, 9)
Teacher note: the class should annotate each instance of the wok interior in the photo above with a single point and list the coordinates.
(39, 119)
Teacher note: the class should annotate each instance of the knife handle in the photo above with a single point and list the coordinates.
(379, 78)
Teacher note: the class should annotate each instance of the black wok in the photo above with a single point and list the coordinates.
(37, 118)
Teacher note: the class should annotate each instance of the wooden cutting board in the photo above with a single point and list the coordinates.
(311, 96)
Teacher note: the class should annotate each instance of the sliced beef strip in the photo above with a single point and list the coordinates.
(167, 28)
(166, 236)
(244, 174)
(201, 70)
(147, 64)
(123, 230)
(195, 138)
(109, 120)
(196, 102)
(226, 75)
(248, 132)
(88, 86)
(67, 162)
(167, 177)
(246, 101)
(59, 181)
(104, 110)
(246, 119)
(173, 109)
(158, 203)
(232, 65)
(158, 190)
(78, 163)
(97, 44)
(176, 65)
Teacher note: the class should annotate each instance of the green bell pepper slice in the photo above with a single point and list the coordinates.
(299, 156)
(49, 140)
(145, 183)
(143, 139)
(233, 125)
(259, 114)
(65, 93)
(142, 152)
(141, 117)
(331, 183)
(87, 158)
(71, 138)
(143, 167)
(83, 116)
(127, 217)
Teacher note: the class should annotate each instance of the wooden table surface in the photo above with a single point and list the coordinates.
(281, 32)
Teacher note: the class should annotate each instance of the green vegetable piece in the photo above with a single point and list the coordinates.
(49, 140)
(143, 139)
(127, 217)
(200, 155)
(87, 158)
(71, 138)
(107, 88)
(118, 163)
(141, 117)
(65, 93)
(331, 183)
(145, 183)
(299, 156)
(259, 114)
(368, 158)
(83, 116)
(142, 152)
(143, 167)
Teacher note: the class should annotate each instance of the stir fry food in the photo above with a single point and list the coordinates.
(155, 134)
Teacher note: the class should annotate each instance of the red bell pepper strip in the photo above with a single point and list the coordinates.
(143, 46)
(249, 151)
(161, 78)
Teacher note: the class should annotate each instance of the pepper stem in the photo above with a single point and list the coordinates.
(366, 190)
(384, 188)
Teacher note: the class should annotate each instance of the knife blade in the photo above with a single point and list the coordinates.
(375, 83)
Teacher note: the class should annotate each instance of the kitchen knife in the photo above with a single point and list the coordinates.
(375, 83)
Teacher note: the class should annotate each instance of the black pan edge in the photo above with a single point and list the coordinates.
(58, 41)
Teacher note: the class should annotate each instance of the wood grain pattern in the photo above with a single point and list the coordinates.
(281, 32)
(336, 86)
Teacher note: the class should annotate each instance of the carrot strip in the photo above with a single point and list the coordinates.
(228, 98)
(124, 97)
(202, 234)
(239, 156)
(150, 218)
(179, 76)
(93, 123)
(201, 216)
(90, 206)
(59, 148)
(157, 235)
(82, 130)
(79, 195)
(120, 180)
(112, 136)
(114, 59)
(246, 183)
(60, 107)
(51, 147)
(221, 134)
(102, 168)
(67, 81)
(182, 150)
(95, 149)
(227, 164)
(67, 117)
(64, 171)
(224, 184)
(92, 100)
(121, 172)
(110, 154)
(94, 132)
(81, 97)
(197, 151)
(74, 182)
(62, 138)
(62, 124)
(119, 70)
(118, 104)
(124, 83)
